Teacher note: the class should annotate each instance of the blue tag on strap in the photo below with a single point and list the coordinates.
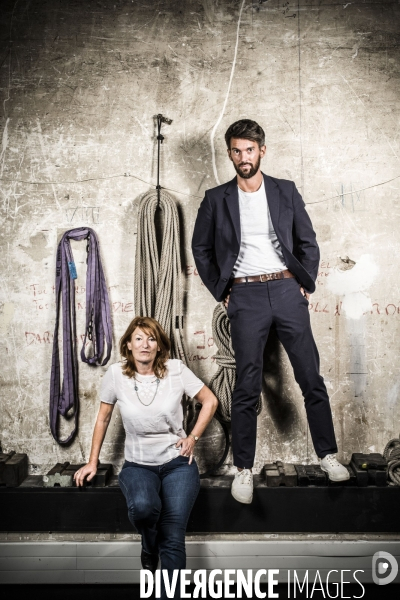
(72, 270)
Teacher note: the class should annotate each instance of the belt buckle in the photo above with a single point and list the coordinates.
(263, 277)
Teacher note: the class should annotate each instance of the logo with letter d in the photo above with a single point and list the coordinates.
(384, 568)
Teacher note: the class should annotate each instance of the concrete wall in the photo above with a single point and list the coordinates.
(81, 82)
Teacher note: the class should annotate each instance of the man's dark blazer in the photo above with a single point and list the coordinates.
(216, 236)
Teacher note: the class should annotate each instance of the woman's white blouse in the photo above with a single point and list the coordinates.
(151, 431)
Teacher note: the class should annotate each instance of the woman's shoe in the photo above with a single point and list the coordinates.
(149, 561)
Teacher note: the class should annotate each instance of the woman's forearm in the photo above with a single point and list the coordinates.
(99, 433)
(204, 419)
(209, 406)
(89, 470)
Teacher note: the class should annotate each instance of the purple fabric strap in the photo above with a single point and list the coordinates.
(65, 397)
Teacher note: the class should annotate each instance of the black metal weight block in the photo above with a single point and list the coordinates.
(361, 475)
(310, 475)
(370, 469)
(13, 468)
(280, 474)
(104, 472)
(352, 482)
(62, 475)
(59, 476)
(378, 478)
(373, 461)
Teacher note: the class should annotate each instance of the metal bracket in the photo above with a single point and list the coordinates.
(160, 138)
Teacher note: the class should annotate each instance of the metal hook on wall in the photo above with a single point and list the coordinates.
(160, 120)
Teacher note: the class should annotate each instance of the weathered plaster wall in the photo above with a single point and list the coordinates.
(81, 81)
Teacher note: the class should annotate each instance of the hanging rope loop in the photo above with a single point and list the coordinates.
(64, 398)
(158, 282)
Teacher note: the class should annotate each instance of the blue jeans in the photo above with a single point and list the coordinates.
(160, 499)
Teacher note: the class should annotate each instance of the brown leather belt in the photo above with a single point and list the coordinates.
(264, 277)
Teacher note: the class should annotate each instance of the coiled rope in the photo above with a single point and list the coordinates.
(392, 455)
(223, 381)
(158, 285)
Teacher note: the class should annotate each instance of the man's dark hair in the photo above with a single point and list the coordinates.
(245, 129)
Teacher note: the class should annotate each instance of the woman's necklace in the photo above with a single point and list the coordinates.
(155, 393)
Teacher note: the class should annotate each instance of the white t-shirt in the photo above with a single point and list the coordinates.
(151, 431)
(260, 251)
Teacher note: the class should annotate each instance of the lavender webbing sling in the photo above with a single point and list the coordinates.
(98, 326)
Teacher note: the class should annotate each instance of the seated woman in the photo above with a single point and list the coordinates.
(160, 478)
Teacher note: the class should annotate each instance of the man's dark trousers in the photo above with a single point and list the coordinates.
(253, 308)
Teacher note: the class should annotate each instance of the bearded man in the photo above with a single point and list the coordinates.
(255, 250)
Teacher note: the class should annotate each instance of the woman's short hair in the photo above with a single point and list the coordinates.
(245, 129)
(150, 327)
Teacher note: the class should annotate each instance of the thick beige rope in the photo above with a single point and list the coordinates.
(392, 455)
(158, 284)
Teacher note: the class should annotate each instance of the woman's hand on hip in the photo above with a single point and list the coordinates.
(88, 471)
(186, 445)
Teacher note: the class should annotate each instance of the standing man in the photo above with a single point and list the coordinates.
(255, 250)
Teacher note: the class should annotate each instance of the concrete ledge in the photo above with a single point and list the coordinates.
(119, 562)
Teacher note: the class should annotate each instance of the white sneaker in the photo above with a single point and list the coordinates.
(336, 471)
(242, 486)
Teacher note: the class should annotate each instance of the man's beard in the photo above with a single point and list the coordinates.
(252, 171)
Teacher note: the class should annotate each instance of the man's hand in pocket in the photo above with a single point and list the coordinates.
(305, 294)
